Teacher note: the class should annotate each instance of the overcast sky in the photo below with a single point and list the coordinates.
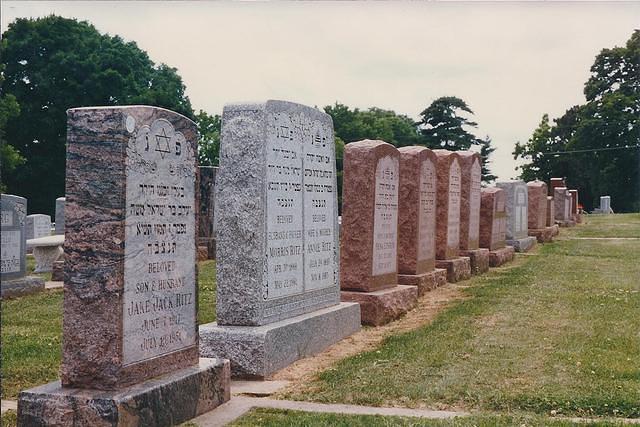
(511, 62)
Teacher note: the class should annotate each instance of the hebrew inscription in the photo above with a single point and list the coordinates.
(385, 225)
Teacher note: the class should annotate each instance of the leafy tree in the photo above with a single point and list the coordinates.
(10, 158)
(599, 137)
(485, 152)
(443, 125)
(209, 143)
(53, 64)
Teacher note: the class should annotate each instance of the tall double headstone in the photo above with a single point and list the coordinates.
(369, 237)
(130, 335)
(493, 226)
(417, 200)
(13, 267)
(537, 212)
(278, 282)
(470, 198)
(449, 195)
(516, 202)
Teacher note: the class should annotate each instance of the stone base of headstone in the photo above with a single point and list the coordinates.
(556, 229)
(479, 260)
(203, 253)
(457, 268)
(577, 218)
(259, 351)
(381, 307)
(566, 223)
(57, 272)
(543, 235)
(19, 287)
(501, 256)
(162, 401)
(522, 245)
(424, 282)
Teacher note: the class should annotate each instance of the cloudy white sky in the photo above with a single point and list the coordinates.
(511, 62)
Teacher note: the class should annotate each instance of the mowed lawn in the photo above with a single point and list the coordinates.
(32, 333)
(559, 333)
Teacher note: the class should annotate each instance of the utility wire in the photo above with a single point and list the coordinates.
(626, 147)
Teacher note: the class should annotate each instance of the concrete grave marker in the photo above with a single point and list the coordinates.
(278, 284)
(369, 240)
(14, 281)
(60, 204)
(493, 226)
(129, 324)
(38, 225)
(417, 220)
(470, 195)
(448, 217)
(516, 201)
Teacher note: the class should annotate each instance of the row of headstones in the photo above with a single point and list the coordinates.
(130, 335)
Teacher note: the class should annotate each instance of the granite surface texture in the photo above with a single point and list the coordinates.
(524, 244)
(448, 204)
(457, 269)
(551, 212)
(542, 235)
(501, 256)
(13, 235)
(479, 259)
(276, 214)
(516, 203)
(38, 225)
(167, 400)
(60, 215)
(383, 306)
(554, 183)
(259, 351)
(561, 209)
(102, 143)
(358, 230)
(470, 200)
(574, 201)
(416, 211)
(426, 281)
(492, 218)
(537, 212)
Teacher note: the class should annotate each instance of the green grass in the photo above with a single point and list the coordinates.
(9, 419)
(32, 333)
(618, 225)
(277, 418)
(31, 265)
(557, 333)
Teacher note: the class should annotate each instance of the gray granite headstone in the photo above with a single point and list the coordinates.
(277, 239)
(605, 204)
(60, 202)
(13, 248)
(517, 205)
(38, 225)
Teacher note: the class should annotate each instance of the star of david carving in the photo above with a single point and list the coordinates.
(162, 143)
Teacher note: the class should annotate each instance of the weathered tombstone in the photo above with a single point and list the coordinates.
(278, 284)
(562, 201)
(448, 217)
(130, 337)
(470, 198)
(551, 216)
(417, 220)
(493, 226)
(14, 281)
(575, 211)
(206, 237)
(60, 203)
(516, 201)
(38, 225)
(605, 204)
(556, 183)
(537, 212)
(369, 241)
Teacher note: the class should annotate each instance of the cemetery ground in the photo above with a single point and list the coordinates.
(554, 333)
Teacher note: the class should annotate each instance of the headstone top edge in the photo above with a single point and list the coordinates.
(417, 150)
(275, 104)
(125, 108)
(15, 197)
(369, 144)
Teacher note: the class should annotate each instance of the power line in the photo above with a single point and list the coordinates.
(626, 147)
